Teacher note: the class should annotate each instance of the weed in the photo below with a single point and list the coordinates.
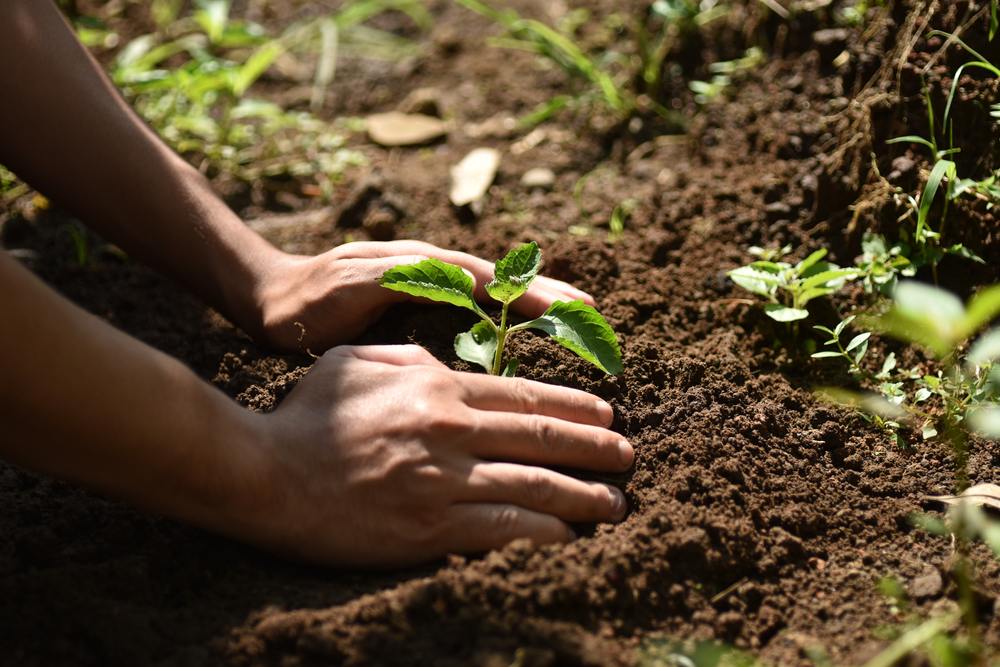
(626, 85)
(944, 174)
(616, 226)
(881, 264)
(202, 105)
(574, 324)
(937, 320)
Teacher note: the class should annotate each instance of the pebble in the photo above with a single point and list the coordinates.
(539, 177)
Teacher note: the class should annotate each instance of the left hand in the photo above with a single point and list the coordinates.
(337, 295)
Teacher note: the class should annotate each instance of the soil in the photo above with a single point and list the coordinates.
(759, 517)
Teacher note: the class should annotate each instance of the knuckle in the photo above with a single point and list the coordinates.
(507, 522)
(525, 397)
(539, 489)
(544, 431)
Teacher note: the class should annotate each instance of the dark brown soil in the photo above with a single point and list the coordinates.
(759, 516)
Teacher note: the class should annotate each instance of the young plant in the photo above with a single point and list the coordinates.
(944, 175)
(935, 319)
(574, 324)
(202, 106)
(790, 287)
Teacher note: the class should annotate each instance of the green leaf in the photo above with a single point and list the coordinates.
(867, 401)
(823, 355)
(754, 281)
(922, 395)
(843, 323)
(985, 420)
(478, 345)
(521, 262)
(829, 276)
(256, 65)
(982, 309)
(510, 369)
(911, 138)
(513, 273)
(962, 251)
(583, 330)
(212, 16)
(857, 340)
(987, 348)
(890, 362)
(810, 260)
(859, 355)
(433, 279)
(943, 169)
(781, 313)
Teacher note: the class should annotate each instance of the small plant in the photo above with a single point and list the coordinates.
(790, 287)
(202, 106)
(880, 264)
(944, 175)
(938, 321)
(571, 323)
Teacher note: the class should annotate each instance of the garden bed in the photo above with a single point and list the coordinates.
(759, 516)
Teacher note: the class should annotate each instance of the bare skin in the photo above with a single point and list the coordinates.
(350, 470)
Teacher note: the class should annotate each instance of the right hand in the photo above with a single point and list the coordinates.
(382, 456)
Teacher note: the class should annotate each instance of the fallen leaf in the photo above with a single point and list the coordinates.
(472, 177)
(980, 494)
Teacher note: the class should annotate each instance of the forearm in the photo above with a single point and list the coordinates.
(71, 135)
(87, 403)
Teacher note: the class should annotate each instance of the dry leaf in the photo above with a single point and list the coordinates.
(980, 494)
(471, 177)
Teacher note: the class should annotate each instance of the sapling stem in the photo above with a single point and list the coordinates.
(501, 338)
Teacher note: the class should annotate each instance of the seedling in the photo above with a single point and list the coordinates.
(202, 106)
(574, 324)
(936, 320)
(791, 287)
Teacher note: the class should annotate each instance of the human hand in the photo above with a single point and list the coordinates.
(337, 295)
(382, 456)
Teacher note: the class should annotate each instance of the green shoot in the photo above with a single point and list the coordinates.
(788, 287)
(574, 324)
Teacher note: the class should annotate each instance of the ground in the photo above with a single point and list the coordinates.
(759, 516)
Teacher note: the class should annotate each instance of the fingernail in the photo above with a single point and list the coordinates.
(617, 503)
(626, 453)
(605, 413)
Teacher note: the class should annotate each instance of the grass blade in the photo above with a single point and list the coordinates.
(327, 65)
(938, 174)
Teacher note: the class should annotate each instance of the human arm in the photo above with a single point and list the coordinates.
(380, 457)
(79, 142)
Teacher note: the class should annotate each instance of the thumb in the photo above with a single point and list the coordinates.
(397, 355)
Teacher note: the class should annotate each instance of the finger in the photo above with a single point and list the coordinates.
(479, 527)
(543, 490)
(486, 392)
(397, 355)
(538, 439)
(542, 293)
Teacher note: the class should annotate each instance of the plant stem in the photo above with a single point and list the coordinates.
(501, 337)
